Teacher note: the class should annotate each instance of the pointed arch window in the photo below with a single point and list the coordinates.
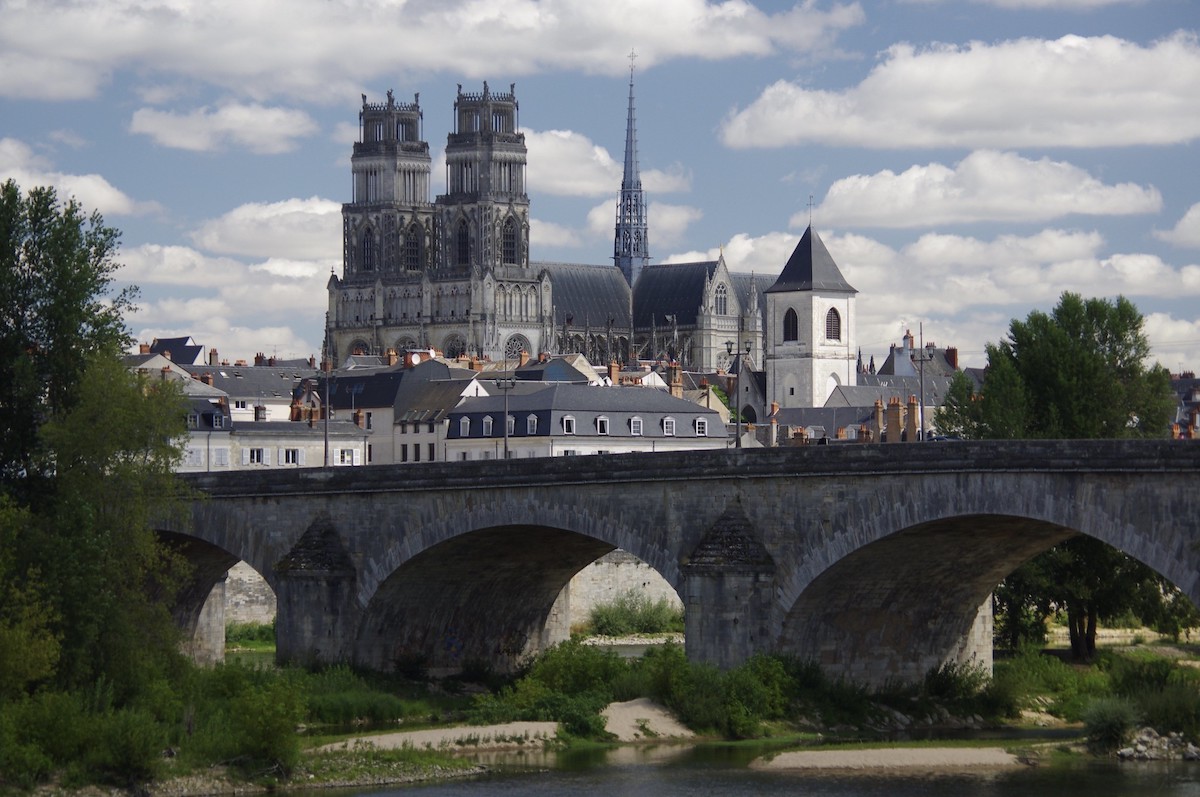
(722, 302)
(462, 245)
(791, 326)
(508, 243)
(368, 251)
(412, 249)
(833, 325)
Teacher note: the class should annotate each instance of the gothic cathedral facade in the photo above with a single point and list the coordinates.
(452, 274)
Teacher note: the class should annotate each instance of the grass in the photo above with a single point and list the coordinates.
(634, 613)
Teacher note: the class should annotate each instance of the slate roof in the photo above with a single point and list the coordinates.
(182, 350)
(742, 283)
(422, 401)
(883, 387)
(830, 419)
(254, 382)
(556, 369)
(296, 429)
(811, 268)
(589, 294)
(670, 289)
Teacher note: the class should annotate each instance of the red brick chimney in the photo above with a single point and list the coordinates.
(877, 421)
(143, 348)
(213, 359)
(260, 359)
(675, 373)
(207, 378)
(910, 426)
(614, 372)
(360, 418)
(893, 420)
(524, 358)
(393, 357)
(952, 356)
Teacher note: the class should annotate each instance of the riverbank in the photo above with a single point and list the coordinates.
(892, 759)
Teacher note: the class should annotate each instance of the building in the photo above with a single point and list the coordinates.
(569, 420)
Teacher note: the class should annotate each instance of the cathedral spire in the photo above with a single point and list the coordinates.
(630, 248)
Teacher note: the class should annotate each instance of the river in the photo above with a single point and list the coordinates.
(721, 772)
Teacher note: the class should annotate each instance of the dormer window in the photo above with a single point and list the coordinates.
(635, 426)
(568, 424)
(512, 425)
(668, 427)
(487, 426)
(701, 427)
(464, 427)
(602, 425)
(531, 425)
(218, 420)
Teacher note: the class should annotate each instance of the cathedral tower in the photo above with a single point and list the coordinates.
(630, 248)
(810, 335)
(484, 213)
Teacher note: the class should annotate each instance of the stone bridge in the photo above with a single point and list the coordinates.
(871, 559)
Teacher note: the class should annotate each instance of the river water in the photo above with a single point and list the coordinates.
(722, 772)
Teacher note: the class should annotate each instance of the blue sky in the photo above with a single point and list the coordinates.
(967, 162)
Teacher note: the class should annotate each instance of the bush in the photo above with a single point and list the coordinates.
(1108, 721)
(265, 718)
(634, 613)
(257, 634)
(127, 747)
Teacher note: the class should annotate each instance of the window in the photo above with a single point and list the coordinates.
(635, 427)
(668, 426)
(701, 427)
(602, 425)
(370, 452)
(404, 452)
(432, 451)
(239, 404)
(193, 457)
(430, 427)
(291, 456)
(218, 421)
(404, 426)
(220, 457)
(512, 425)
(349, 456)
(416, 452)
(464, 427)
(462, 245)
(791, 326)
(508, 242)
(722, 300)
(252, 456)
(833, 325)
(531, 425)
(369, 421)
(193, 420)
(487, 426)
(568, 452)
(463, 456)
(368, 256)
(412, 248)
(568, 423)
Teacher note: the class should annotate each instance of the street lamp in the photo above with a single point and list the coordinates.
(504, 385)
(737, 389)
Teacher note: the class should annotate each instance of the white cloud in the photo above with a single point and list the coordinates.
(667, 224)
(305, 229)
(306, 54)
(20, 163)
(257, 128)
(1071, 92)
(984, 186)
(565, 163)
(545, 233)
(1186, 231)
(1175, 341)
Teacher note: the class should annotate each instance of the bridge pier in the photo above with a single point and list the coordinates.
(316, 613)
(728, 585)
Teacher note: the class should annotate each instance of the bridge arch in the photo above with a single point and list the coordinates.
(896, 594)
(479, 585)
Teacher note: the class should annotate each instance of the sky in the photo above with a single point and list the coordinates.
(964, 161)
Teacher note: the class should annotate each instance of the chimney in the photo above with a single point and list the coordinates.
(877, 422)
(260, 359)
(774, 425)
(213, 359)
(544, 357)
(524, 358)
(952, 356)
(207, 378)
(614, 372)
(910, 426)
(894, 423)
(165, 373)
(271, 361)
(392, 357)
(675, 373)
(260, 412)
(312, 361)
(360, 418)
(143, 348)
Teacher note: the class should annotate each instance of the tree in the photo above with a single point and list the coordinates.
(56, 275)
(1078, 372)
(87, 454)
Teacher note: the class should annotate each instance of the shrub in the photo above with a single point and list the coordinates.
(1108, 721)
(634, 613)
(265, 718)
(256, 634)
(127, 748)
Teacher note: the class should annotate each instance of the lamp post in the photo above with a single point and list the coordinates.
(504, 385)
(737, 389)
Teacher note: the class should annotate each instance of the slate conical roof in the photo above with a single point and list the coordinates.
(811, 268)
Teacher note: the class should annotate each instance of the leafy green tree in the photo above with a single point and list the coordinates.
(1077, 372)
(57, 309)
(87, 453)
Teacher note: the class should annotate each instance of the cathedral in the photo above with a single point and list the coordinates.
(454, 273)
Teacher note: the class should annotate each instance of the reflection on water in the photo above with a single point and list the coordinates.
(719, 770)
